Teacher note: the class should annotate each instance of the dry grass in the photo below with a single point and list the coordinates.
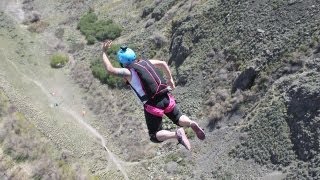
(223, 102)
(38, 27)
(25, 154)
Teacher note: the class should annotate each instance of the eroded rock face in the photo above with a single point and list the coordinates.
(180, 50)
(161, 8)
(245, 80)
(33, 17)
(186, 32)
(287, 125)
(303, 109)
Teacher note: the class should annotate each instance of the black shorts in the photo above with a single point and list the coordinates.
(154, 123)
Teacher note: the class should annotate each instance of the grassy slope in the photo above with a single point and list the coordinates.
(27, 77)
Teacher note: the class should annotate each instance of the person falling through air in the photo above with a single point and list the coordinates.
(154, 92)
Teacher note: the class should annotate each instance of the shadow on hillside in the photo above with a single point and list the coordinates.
(212, 124)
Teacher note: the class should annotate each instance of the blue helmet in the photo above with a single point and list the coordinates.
(126, 55)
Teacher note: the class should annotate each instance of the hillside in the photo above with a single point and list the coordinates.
(247, 71)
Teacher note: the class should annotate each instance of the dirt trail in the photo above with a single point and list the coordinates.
(99, 136)
(75, 115)
(13, 8)
(25, 83)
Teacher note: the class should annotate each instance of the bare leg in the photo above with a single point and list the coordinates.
(184, 121)
(179, 135)
(165, 135)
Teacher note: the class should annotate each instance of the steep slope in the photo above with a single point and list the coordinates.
(29, 82)
(246, 70)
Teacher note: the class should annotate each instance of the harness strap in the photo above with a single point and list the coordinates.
(171, 105)
(160, 112)
(143, 98)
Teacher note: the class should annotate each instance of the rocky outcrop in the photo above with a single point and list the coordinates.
(245, 80)
(285, 126)
(303, 109)
(185, 33)
(161, 8)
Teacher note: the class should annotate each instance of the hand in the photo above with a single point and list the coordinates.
(171, 83)
(106, 45)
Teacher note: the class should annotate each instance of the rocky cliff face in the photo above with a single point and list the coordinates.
(266, 51)
(243, 64)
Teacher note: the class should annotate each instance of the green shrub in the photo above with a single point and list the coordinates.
(268, 138)
(189, 132)
(99, 72)
(3, 105)
(58, 60)
(95, 29)
(175, 157)
(90, 40)
(107, 30)
(304, 49)
(112, 51)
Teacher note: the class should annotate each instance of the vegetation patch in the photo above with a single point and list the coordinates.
(222, 174)
(19, 142)
(38, 27)
(161, 8)
(303, 117)
(95, 29)
(59, 60)
(99, 71)
(24, 146)
(175, 157)
(268, 137)
(306, 170)
(190, 133)
(3, 104)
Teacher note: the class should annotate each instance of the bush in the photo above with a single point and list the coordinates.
(19, 143)
(163, 7)
(3, 104)
(107, 30)
(112, 52)
(190, 133)
(24, 145)
(99, 72)
(146, 11)
(59, 33)
(90, 40)
(58, 60)
(38, 27)
(95, 29)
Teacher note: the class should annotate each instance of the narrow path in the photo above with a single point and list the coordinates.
(74, 114)
(13, 8)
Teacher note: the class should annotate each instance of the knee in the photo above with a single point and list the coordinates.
(176, 119)
(153, 138)
(179, 121)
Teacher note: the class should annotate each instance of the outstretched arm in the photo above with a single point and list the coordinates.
(122, 72)
(165, 68)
